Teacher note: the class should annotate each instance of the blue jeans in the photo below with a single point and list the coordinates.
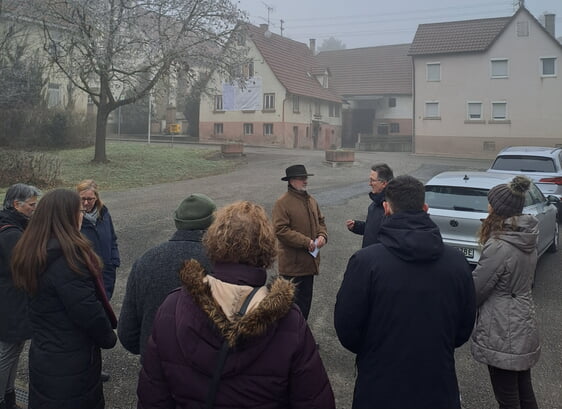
(9, 357)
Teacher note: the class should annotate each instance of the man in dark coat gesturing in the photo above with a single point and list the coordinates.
(404, 305)
(155, 273)
(379, 177)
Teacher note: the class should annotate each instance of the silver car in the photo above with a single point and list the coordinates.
(458, 201)
(540, 163)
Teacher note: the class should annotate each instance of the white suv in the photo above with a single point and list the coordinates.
(542, 164)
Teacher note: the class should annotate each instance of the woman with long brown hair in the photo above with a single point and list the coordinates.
(70, 316)
(505, 336)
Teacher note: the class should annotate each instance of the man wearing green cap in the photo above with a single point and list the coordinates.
(155, 273)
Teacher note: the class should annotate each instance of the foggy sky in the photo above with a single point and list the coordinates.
(364, 23)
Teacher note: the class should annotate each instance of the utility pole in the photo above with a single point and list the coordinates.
(282, 21)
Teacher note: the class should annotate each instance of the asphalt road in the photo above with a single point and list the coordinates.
(143, 219)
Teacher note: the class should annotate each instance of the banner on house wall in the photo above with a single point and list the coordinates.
(243, 97)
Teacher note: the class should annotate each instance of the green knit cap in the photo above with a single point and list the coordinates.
(195, 212)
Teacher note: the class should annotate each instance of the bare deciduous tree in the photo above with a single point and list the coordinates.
(331, 44)
(116, 51)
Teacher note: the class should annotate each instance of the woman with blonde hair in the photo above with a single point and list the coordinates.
(97, 226)
(70, 316)
(505, 336)
(228, 339)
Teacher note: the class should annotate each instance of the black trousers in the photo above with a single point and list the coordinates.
(303, 296)
(513, 389)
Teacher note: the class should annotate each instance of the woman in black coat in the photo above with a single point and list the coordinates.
(70, 316)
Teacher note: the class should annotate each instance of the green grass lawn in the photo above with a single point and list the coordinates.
(135, 165)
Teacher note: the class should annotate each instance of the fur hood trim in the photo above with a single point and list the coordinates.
(256, 322)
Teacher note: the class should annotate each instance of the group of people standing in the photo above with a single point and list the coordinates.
(55, 255)
(214, 327)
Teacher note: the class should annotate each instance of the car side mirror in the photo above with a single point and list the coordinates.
(551, 199)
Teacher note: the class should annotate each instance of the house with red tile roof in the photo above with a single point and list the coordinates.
(376, 86)
(285, 101)
(481, 85)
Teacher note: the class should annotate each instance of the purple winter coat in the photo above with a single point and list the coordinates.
(273, 361)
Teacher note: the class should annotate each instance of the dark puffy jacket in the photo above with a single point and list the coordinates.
(69, 327)
(404, 305)
(151, 279)
(274, 363)
(103, 237)
(14, 321)
(369, 228)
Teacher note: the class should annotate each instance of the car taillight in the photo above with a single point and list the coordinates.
(556, 181)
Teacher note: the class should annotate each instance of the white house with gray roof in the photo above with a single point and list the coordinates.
(481, 85)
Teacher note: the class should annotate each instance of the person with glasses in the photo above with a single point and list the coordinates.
(19, 205)
(98, 227)
(69, 314)
(379, 177)
(301, 230)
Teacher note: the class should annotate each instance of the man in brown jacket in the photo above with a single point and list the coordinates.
(301, 231)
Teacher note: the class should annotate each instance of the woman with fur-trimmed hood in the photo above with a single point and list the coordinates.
(272, 359)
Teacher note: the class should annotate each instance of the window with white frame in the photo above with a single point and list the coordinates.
(269, 101)
(218, 129)
(218, 103)
(548, 66)
(432, 109)
(268, 129)
(296, 103)
(434, 71)
(499, 110)
(54, 97)
(499, 68)
(331, 110)
(317, 108)
(337, 110)
(391, 102)
(394, 127)
(248, 129)
(474, 111)
(249, 70)
(522, 29)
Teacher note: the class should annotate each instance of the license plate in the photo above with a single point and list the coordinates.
(468, 253)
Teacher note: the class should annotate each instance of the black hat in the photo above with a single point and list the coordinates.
(508, 199)
(295, 171)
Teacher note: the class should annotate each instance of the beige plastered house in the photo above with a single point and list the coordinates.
(481, 85)
(286, 100)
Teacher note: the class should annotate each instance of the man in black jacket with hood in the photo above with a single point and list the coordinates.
(19, 205)
(379, 177)
(404, 305)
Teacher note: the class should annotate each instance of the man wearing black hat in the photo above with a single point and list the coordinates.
(301, 231)
(155, 273)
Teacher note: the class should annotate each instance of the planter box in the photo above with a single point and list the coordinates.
(232, 149)
(340, 155)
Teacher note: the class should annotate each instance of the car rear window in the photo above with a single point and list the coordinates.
(524, 164)
(457, 198)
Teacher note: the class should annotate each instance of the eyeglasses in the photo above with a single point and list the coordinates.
(87, 199)
(376, 180)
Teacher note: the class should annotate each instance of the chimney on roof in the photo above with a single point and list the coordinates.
(549, 24)
(312, 46)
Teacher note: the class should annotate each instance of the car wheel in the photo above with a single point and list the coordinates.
(554, 246)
